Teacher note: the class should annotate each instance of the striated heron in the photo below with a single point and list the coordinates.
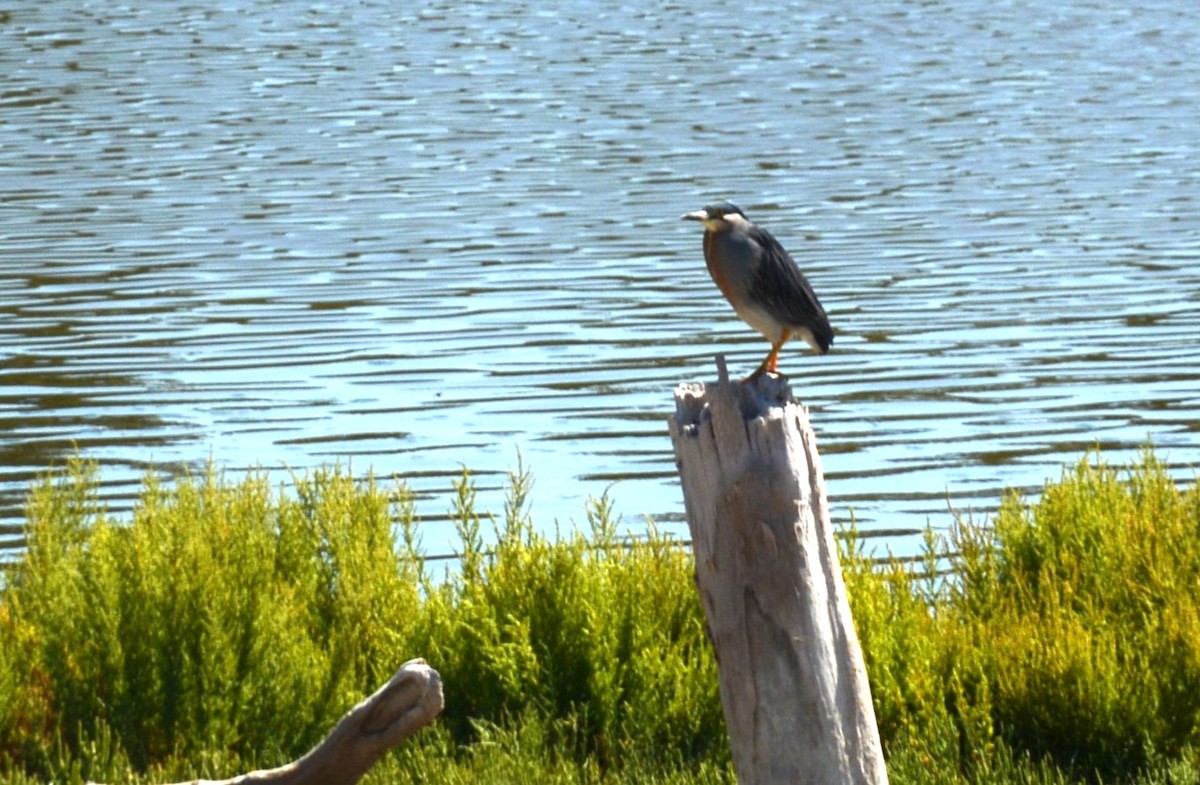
(761, 281)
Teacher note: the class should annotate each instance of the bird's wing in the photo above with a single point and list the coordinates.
(785, 292)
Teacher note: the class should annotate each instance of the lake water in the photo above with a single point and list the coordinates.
(411, 238)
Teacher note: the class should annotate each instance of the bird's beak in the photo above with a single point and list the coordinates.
(699, 215)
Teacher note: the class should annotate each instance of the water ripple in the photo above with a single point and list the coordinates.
(416, 240)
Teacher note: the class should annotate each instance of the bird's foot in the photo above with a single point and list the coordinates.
(757, 373)
(762, 369)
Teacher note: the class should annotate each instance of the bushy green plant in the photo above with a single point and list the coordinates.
(231, 624)
(224, 616)
(1067, 632)
(604, 634)
(1097, 618)
(227, 625)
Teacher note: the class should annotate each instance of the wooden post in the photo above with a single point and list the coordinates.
(408, 702)
(793, 684)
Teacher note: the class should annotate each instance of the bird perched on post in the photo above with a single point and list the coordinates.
(761, 281)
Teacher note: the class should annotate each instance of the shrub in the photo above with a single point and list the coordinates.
(601, 636)
(222, 617)
(1068, 632)
(227, 626)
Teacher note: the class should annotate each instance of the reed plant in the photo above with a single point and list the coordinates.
(226, 625)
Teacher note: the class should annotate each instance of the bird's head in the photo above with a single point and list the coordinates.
(718, 217)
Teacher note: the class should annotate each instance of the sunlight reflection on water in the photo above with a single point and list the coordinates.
(302, 234)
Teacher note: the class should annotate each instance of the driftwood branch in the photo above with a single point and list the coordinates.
(408, 702)
(793, 683)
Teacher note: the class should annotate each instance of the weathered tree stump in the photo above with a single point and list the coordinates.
(408, 702)
(793, 683)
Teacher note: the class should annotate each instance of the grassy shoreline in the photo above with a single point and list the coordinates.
(226, 625)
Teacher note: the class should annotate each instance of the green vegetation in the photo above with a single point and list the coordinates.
(1064, 646)
(227, 626)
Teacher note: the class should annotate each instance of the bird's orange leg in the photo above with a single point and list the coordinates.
(768, 365)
